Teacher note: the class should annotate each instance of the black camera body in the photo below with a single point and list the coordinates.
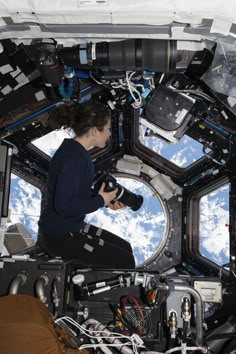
(110, 183)
(132, 200)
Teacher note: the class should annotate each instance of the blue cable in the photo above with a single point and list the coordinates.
(85, 88)
(68, 92)
(217, 128)
(61, 88)
(82, 74)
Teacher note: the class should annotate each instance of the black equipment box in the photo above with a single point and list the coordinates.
(168, 109)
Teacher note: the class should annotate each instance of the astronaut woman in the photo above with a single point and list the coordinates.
(62, 230)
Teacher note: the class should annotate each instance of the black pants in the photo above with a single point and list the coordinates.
(91, 246)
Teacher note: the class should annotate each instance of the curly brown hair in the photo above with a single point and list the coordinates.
(81, 117)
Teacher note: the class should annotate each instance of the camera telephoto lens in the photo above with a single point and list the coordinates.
(132, 200)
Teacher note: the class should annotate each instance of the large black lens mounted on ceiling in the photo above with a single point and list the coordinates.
(133, 54)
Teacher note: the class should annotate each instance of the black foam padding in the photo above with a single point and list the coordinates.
(167, 109)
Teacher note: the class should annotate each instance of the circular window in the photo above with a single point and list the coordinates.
(144, 228)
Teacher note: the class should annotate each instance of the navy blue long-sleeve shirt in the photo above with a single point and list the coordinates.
(70, 196)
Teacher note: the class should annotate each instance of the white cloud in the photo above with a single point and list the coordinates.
(25, 204)
(214, 231)
(179, 158)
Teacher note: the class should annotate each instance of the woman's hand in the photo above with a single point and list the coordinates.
(116, 205)
(107, 196)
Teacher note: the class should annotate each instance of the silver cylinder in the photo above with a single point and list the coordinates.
(16, 283)
(40, 284)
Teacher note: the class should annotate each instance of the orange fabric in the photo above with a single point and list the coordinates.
(27, 327)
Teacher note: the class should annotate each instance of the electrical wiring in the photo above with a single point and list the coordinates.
(200, 94)
(118, 312)
(120, 84)
(137, 101)
(131, 300)
(86, 346)
(98, 82)
(103, 348)
(117, 85)
(162, 77)
(139, 85)
(202, 349)
(83, 329)
(224, 162)
(127, 84)
(195, 92)
(134, 318)
(227, 265)
(113, 335)
(212, 158)
(152, 83)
